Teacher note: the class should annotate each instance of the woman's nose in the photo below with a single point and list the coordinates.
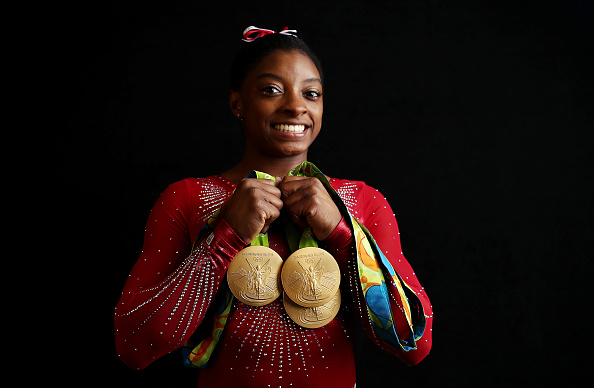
(295, 104)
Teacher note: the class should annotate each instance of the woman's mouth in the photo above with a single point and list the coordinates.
(290, 128)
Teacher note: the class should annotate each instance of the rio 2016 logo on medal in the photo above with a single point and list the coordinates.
(253, 275)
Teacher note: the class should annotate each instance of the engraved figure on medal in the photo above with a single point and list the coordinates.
(259, 276)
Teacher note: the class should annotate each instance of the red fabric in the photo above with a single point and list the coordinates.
(171, 286)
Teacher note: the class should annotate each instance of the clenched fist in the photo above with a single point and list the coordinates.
(252, 207)
(307, 202)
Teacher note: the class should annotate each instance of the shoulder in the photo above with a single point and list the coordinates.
(356, 195)
(194, 199)
(208, 186)
(191, 192)
(351, 188)
(365, 203)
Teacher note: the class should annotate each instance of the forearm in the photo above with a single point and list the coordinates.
(409, 305)
(153, 321)
(340, 245)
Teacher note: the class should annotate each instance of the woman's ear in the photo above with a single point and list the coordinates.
(235, 104)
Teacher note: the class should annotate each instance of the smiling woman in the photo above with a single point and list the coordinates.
(206, 280)
(280, 103)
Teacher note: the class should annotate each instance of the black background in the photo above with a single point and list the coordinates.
(474, 119)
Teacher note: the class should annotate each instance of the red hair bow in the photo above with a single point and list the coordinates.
(252, 33)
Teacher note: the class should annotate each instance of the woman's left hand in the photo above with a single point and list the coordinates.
(308, 203)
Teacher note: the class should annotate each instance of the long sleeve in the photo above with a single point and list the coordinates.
(371, 208)
(171, 285)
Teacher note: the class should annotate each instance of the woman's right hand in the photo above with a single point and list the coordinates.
(252, 207)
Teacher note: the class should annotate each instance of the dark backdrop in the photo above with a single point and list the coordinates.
(473, 118)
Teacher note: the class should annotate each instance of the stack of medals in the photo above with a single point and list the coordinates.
(310, 278)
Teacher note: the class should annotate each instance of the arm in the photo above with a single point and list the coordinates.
(172, 285)
(372, 209)
(381, 222)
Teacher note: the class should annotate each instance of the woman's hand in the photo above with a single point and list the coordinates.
(252, 207)
(308, 203)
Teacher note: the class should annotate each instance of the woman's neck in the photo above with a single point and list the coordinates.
(268, 164)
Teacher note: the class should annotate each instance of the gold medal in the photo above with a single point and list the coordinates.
(312, 317)
(253, 275)
(310, 277)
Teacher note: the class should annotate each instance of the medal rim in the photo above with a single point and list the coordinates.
(295, 308)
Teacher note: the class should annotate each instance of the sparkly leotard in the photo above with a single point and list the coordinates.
(169, 290)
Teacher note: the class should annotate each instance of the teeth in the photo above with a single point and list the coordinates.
(289, 128)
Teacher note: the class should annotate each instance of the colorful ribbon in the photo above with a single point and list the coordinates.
(252, 33)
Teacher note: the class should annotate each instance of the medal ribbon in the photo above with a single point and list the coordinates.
(262, 238)
(292, 231)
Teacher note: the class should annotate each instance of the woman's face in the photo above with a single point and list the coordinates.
(280, 102)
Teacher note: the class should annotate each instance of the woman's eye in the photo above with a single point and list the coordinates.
(313, 94)
(270, 90)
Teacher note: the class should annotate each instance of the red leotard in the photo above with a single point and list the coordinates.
(170, 288)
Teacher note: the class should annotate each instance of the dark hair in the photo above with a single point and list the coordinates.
(254, 51)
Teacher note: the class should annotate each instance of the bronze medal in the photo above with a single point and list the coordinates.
(253, 275)
(310, 277)
(312, 317)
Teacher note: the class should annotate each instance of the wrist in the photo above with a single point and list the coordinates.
(224, 243)
(341, 237)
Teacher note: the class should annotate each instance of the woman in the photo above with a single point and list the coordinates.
(177, 295)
